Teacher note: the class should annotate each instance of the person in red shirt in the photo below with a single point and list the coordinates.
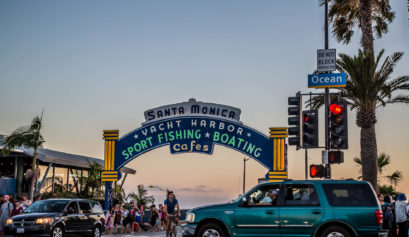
(17, 209)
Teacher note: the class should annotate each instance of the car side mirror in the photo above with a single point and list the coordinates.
(70, 211)
(244, 202)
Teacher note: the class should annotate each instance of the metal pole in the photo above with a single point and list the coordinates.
(53, 185)
(328, 167)
(244, 175)
(306, 164)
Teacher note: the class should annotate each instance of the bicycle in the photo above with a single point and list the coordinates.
(173, 224)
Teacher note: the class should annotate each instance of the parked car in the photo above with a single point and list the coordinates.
(56, 217)
(293, 208)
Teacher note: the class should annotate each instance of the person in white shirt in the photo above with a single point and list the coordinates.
(25, 202)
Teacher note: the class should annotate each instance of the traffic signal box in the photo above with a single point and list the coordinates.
(294, 112)
(310, 129)
(338, 125)
(317, 171)
(335, 157)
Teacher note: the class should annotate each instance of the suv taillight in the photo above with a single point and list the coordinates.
(379, 217)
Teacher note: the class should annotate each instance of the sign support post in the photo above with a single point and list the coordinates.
(328, 167)
(109, 174)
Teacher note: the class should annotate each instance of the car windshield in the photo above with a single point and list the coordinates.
(45, 206)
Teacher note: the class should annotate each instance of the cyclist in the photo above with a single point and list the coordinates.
(169, 207)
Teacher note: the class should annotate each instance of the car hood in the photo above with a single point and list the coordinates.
(214, 207)
(33, 215)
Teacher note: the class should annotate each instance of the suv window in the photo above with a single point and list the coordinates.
(350, 195)
(73, 207)
(300, 195)
(96, 207)
(264, 195)
(85, 207)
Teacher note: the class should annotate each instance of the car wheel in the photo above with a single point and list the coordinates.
(335, 231)
(58, 231)
(211, 230)
(96, 232)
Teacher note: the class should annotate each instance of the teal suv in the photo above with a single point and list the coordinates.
(330, 208)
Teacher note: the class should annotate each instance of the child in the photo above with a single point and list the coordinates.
(153, 217)
(109, 221)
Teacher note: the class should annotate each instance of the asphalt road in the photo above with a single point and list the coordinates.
(143, 234)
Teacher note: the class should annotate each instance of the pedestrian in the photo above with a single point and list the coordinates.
(37, 198)
(162, 219)
(117, 218)
(17, 208)
(25, 202)
(54, 195)
(109, 220)
(138, 219)
(11, 199)
(131, 218)
(153, 217)
(388, 217)
(6, 210)
(124, 219)
(400, 215)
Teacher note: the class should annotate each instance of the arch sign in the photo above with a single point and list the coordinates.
(194, 127)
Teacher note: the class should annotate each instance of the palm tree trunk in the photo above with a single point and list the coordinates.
(369, 155)
(365, 19)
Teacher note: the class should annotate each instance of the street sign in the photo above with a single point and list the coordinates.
(327, 80)
(326, 60)
(325, 157)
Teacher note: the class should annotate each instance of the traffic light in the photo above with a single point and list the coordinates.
(310, 129)
(317, 171)
(294, 111)
(335, 157)
(338, 125)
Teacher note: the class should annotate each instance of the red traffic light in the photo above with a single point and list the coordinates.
(305, 118)
(317, 171)
(314, 171)
(335, 109)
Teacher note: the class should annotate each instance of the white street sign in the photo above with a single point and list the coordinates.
(326, 60)
(325, 157)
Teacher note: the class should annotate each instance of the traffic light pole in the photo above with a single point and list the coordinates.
(326, 99)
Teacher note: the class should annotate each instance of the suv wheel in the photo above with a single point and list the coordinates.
(58, 231)
(335, 231)
(211, 230)
(96, 232)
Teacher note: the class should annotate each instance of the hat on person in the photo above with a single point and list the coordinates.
(401, 197)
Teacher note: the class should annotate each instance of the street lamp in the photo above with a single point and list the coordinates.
(244, 174)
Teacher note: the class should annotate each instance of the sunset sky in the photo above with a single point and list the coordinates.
(95, 65)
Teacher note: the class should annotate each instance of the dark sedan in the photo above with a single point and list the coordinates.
(56, 217)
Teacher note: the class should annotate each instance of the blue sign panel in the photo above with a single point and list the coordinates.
(194, 134)
(327, 80)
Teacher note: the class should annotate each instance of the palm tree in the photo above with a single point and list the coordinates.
(28, 137)
(92, 183)
(383, 161)
(368, 87)
(141, 196)
(387, 190)
(345, 15)
(395, 178)
(118, 193)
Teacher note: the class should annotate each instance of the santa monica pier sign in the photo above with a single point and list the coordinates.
(195, 127)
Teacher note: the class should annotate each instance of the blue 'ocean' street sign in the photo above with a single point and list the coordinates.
(327, 80)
